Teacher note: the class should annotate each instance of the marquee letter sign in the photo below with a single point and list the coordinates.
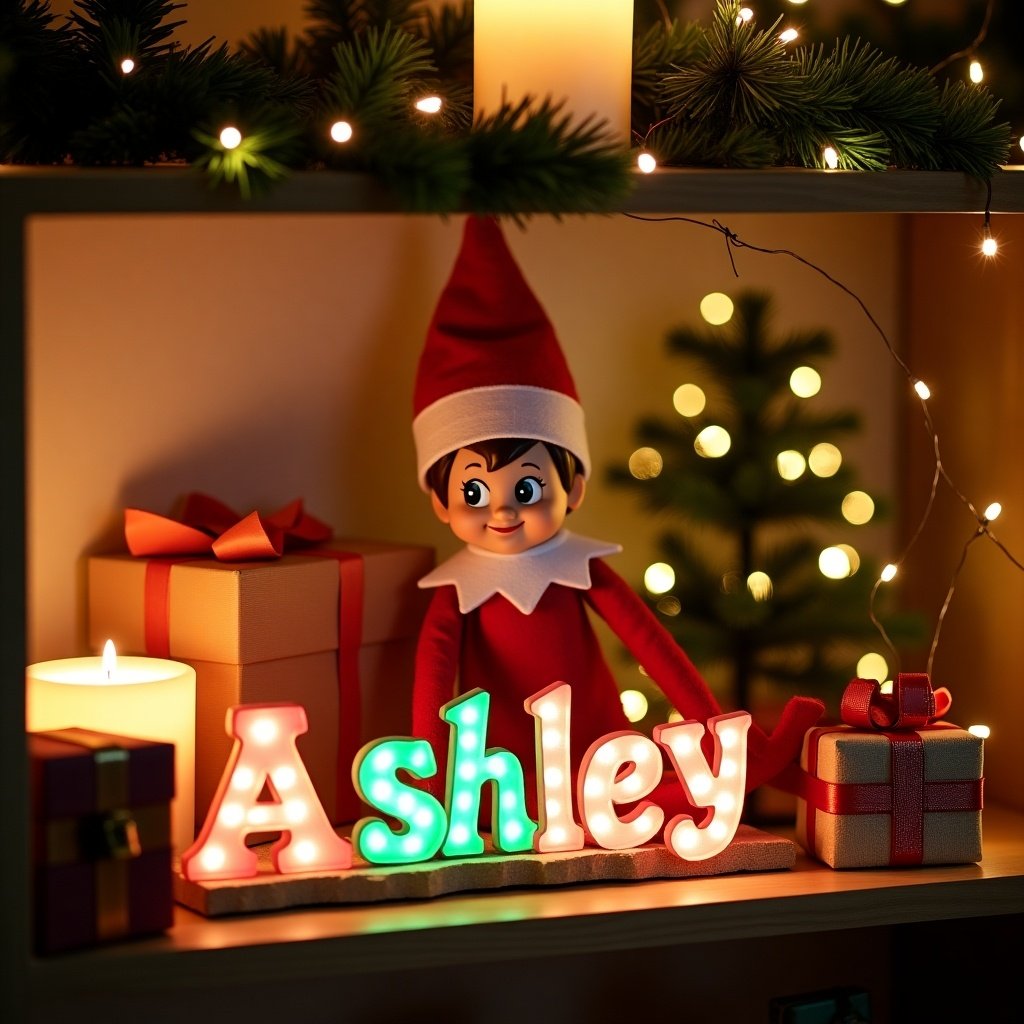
(622, 768)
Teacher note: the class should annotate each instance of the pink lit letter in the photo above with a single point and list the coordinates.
(720, 786)
(557, 829)
(265, 755)
(603, 783)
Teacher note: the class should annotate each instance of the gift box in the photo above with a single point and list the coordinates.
(101, 837)
(332, 628)
(890, 789)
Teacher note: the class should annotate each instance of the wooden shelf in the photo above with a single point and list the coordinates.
(583, 919)
(778, 190)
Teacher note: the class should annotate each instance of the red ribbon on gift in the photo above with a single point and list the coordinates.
(912, 707)
(210, 529)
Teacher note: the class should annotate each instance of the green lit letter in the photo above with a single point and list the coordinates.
(470, 765)
(421, 817)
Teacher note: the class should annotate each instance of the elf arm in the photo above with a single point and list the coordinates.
(437, 666)
(668, 665)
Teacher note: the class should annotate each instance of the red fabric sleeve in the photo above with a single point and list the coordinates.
(668, 665)
(437, 666)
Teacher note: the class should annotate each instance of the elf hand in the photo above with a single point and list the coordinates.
(768, 755)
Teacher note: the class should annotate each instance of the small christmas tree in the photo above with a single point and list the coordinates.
(757, 578)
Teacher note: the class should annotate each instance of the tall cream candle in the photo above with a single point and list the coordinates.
(147, 698)
(580, 51)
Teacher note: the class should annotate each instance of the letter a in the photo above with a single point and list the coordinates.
(264, 754)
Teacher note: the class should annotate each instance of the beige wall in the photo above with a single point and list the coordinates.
(265, 358)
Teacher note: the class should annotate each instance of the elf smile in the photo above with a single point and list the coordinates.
(505, 529)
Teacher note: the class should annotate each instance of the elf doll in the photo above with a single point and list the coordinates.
(502, 451)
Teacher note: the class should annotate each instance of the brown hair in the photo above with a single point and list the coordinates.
(498, 453)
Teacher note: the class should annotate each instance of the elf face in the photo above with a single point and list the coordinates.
(509, 510)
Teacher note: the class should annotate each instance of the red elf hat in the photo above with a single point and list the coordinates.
(491, 366)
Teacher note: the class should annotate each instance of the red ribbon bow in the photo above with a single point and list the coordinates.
(209, 527)
(912, 704)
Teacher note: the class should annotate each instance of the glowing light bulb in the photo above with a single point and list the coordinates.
(798, 2)
(712, 442)
(341, 131)
(743, 15)
(646, 162)
(553, 776)
(824, 459)
(981, 731)
(858, 508)
(634, 705)
(646, 463)
(760, 585)
(992, 512)
(430, 104)
(689, 400)
(674, 716)
(700, 784)
(127, 66)
(885, 687)
(716, 308)
(305, 851)
(232, 815)
(659, 578)
(382, 760)
(243, 778)
(976, 72)
(788, 35)
(284, 777)
(888, 573)
(923, 391)
(213, 858)
(834, 563)
(1021, 143)
(296, 811)
(989, 246)
(230, 137)
(830, 158)
(600, 823)
(805, 382)
(790, 464)
(872, 666)
(263, 731)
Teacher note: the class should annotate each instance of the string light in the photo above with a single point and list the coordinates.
(716, 308)
(834, 563)
(430, 104)
(825, 459)
(976, 72)
(788, 35)
(634, 705)
(127, 66)
(790, 464)
(659, 578)
(805, 382)
(830, 157)
(230, 137)
(989, 246)
(992, 512)
(760, 585)
(858, 508)
(940, 473)
(689, 400)
(646, 463)
(646, 162)
(872, 666)
(712, 442)
(341, 131)
(981, 731)
(743, 15)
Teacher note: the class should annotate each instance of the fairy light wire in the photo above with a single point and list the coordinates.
(970, 49)
(939, 473)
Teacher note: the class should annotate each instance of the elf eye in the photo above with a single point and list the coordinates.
(529, 490)
(476, 493)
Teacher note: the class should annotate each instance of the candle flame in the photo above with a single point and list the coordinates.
(109, 659)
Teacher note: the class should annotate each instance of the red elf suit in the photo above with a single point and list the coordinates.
(513, 624)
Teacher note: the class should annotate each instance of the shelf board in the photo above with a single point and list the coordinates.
(579, 919)
(173, 189)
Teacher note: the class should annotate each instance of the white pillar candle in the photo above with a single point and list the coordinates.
(580, 51)
(147, 698)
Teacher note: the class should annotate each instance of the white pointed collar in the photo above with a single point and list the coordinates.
(478, 575)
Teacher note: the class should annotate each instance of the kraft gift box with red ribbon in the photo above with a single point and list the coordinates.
(892, 785)
(266, 609)
(101, 837)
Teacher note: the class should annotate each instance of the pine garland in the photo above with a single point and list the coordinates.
(726, 95)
